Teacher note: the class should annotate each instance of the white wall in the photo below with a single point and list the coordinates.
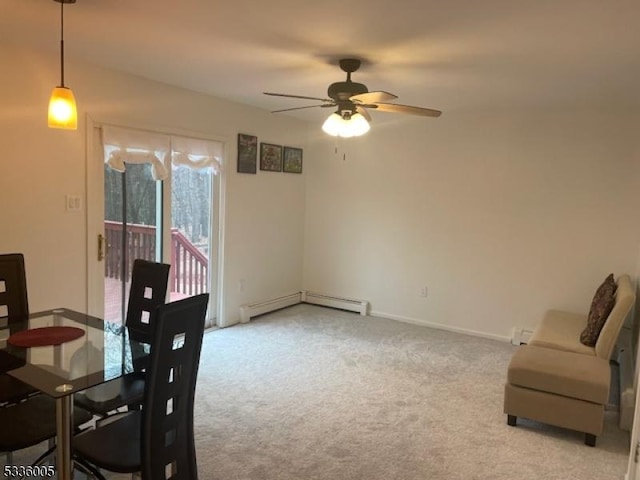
(39, 166)
(502, 216)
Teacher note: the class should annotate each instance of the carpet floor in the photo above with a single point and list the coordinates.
(309, 393)
(314, 393)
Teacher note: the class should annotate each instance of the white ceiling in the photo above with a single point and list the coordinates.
(452, 55)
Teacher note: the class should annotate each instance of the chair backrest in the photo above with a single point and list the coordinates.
(167, 443)
(625, 298)
(148, 290)
(13, 288)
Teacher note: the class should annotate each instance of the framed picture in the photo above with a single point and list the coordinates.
(270, 157)
(292, 160)
(247, 153)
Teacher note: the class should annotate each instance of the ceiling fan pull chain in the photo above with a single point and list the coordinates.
(335, 149)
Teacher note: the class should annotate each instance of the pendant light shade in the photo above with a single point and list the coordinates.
(345, 125)
(62, 109)
(63, 112)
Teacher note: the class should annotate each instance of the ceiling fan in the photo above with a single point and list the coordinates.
(352, 100)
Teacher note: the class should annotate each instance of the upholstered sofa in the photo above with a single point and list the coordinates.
(558, 380)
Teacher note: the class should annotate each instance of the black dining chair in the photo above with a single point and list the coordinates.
(27, 419)
(157, 440)
(30, 422)
(147, 291)
(14, 307)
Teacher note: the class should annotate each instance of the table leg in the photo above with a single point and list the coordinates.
(64, 417)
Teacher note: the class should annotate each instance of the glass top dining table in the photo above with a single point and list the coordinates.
(103, 352)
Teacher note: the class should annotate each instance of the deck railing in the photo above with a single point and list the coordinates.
(189, 266)
(188, 274)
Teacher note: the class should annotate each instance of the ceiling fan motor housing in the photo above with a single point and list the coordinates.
(345, 90)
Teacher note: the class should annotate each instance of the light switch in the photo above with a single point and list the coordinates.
(73, 203)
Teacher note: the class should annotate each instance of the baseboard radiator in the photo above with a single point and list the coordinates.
(626, 367)
(520, 336)
(259, 308)
(349, 304)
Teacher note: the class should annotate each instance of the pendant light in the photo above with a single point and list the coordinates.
(63, 112)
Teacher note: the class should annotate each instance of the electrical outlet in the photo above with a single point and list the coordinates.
(424, 291)
(241, 285)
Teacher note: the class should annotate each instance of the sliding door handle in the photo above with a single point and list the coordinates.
(103, 247)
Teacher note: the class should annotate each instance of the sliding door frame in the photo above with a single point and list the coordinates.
(95, 217)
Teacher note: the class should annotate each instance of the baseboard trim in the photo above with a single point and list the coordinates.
(361, 306)
(439, 326)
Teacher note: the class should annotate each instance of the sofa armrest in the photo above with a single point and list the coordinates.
(625, 298)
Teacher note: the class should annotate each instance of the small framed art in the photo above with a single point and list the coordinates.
(270, 157)
(292, 162)
(247, 153)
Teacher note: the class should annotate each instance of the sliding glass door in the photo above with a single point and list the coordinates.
(191, 233)
(159, 203)
(132, 229)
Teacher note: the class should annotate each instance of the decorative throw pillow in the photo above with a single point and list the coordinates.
(601, 306)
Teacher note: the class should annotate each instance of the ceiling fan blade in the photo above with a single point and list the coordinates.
(299, 108)
(298, 96)
(373, 97)
(363, 111)
(392, 107)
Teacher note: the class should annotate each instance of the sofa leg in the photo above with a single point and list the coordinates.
(511, 420)
(589, 439)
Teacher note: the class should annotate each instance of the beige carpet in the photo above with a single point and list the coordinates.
(309, 393)
(314, 393)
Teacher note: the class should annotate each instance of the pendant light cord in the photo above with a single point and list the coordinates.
(62, 44)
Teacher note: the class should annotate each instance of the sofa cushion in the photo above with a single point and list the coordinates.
(563, 373)
(601, 306)
(561, 330)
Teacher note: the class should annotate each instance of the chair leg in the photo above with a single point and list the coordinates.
(42, 458)
(589, 440)
(88, 469)
(511, 420)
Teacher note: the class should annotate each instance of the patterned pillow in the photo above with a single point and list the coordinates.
(601, 306)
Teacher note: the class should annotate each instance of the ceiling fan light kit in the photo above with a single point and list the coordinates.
(337, 125)
(353, 99)
(63, 112)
